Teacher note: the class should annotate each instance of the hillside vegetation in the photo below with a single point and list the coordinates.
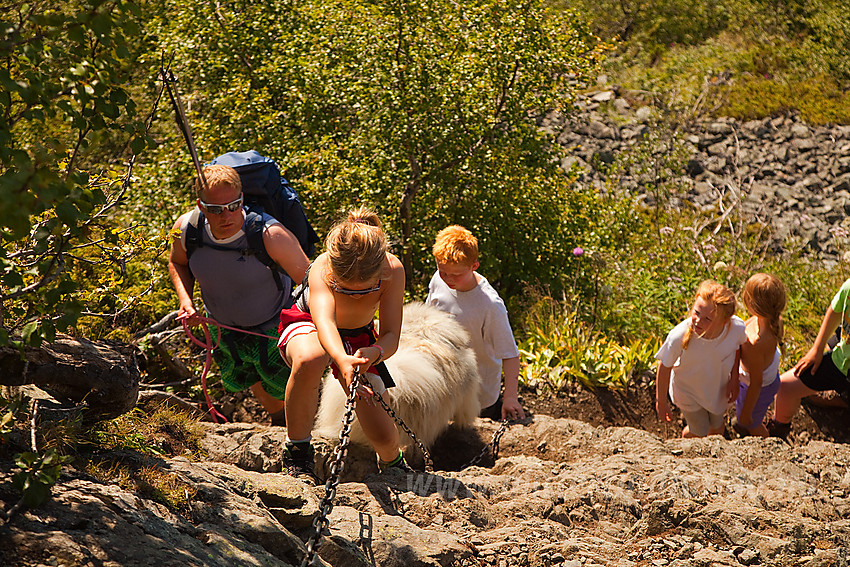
(740, 58)
(427, 111)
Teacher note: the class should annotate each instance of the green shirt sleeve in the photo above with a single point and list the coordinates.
(839, 302)
(841, 352)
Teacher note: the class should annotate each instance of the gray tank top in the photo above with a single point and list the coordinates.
(237, 290)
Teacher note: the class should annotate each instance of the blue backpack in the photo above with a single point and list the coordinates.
(265, 191)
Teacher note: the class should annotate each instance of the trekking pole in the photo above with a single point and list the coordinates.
(170, 82)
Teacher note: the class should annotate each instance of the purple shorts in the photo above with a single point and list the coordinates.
(764, 400)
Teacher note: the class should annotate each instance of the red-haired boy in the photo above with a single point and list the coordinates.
(458, 289)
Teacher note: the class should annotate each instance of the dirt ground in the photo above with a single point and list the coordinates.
(632, 407)
(635, 407)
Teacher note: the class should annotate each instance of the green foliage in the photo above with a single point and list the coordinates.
(753, 58)
(39, 473)
(163, 432)
(10, 415)
(650, 26)
(819, 100)
(62, 70)
(425, 110)
(560, 349)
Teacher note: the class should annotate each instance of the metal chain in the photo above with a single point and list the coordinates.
(494, 444)
(429, 464)
(321, 522)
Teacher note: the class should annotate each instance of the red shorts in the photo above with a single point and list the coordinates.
(294, 322)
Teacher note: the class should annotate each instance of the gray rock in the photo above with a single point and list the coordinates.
(799, 130)
(803, 144)
(622, 105)
(600, 130)
(644, 113)
(719, 128)
(776, 152)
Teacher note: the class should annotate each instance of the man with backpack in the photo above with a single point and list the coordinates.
(212, 245)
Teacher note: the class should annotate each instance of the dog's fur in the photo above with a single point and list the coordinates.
(436, 380)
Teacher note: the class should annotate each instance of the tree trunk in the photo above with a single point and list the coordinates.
(99, 379)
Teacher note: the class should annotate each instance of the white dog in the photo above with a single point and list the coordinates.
(436, 380)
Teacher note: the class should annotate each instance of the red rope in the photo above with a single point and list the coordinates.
(207, 345)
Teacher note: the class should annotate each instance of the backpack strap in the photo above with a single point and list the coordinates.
(254, 226)
(300, 294)
(194, 232)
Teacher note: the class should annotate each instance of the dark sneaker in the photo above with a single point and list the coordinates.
(298, 460)
(778, 429)
(740, 429)
(398, 463)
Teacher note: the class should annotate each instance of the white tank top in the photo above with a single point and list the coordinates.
(770, 373)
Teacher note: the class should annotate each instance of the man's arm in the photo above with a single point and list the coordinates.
(181, 275)
(284, 249)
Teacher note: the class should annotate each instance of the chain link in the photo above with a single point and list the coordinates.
(493, 444)
(429, 464)
(321, 522)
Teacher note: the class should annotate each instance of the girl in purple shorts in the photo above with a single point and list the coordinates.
(765, 298)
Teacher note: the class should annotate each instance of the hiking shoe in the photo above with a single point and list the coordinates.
(778, 429)
(298, 460)
(740, 429)
(399, 463)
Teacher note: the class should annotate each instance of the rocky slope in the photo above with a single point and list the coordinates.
(793, 177)
(561, 493)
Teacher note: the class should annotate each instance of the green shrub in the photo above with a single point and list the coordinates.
(818, 100)
(767, 57)
(560, 350)
(165, 431)
(39, 472)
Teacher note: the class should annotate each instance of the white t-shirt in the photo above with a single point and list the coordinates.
(700, 373)
(483, 314)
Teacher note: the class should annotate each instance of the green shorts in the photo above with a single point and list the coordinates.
(245, 359)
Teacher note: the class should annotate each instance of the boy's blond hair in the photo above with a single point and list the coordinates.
(455, 245)
(218, 175)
